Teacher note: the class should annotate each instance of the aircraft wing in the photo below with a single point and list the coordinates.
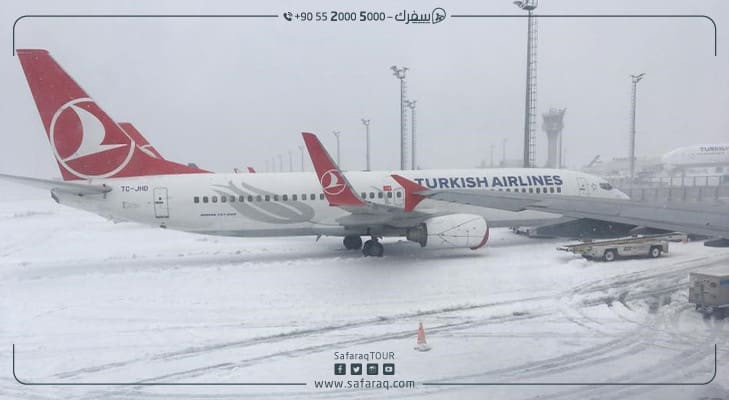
(689, 218)
(79, 189)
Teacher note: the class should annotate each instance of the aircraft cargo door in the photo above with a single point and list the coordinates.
(160, 203)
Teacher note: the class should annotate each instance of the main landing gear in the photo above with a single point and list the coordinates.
(352, 242)
(371, 248)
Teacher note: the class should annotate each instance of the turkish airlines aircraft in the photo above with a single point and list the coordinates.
(703, 155)
(109, 170)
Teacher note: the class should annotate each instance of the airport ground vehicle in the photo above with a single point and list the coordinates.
(609, 250)
(709, 291)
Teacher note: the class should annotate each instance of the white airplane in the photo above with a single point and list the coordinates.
(107, 170)
(702, 155)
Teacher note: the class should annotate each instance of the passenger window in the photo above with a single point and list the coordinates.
(380, 195)
(312, 196)
(399, 194)
(205, 199)
(531, 190)
(551, 190)
(303, 196)
(294, 197)
(508, 190)
(364, 195)
(537, 190)
(250, 198)
(559, 190)
(214, 199)
(285, 197)
(232, 199)
(241, 198)
(275, 197)
(372, 195)
(223, 199)
(321, 196)
(196, 199)
(389, 195)
(267, 197)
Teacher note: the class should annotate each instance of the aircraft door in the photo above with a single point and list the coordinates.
(160, 203)
(581, 186)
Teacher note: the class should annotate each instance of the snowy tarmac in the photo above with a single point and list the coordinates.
(87, 300)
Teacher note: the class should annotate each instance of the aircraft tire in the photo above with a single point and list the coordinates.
(352, 242)
(373, 248)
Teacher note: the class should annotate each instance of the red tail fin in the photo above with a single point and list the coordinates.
(141, 142)
(86, 142)
(336, 187)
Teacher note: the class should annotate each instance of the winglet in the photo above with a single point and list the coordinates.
(335, 185)
(412, 198)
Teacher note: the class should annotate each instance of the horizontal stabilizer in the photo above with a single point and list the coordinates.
(68, 187)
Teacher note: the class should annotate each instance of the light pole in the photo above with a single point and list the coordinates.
(336, 135)
(492, 156)
(503, 153)
(633, 100)
(268, 168)
(411, 105)
(273, 164)
(400, 74)
(280, 163)
(366, 123)
(291, 162)
(530, 107)
(301, 149)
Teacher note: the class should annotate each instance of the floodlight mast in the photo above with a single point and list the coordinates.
(503, 152)
(336, 135)
(399, 73)
(366, 123)
(301, 150)
(633, 100)
(530, 108)
(411, 106)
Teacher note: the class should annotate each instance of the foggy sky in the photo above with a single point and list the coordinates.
(228, 93)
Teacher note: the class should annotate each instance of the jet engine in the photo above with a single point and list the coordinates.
(451, 231)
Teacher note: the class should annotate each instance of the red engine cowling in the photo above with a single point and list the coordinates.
(451, 231)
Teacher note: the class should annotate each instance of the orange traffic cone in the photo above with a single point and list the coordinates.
(422, 344)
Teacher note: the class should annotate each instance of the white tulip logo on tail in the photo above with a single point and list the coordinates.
(332, 182)
(78, 136)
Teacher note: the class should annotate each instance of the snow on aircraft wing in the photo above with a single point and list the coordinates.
(689, 218)
(340, 193)
(76, 188)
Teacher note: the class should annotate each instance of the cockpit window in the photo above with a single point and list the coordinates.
(606, 186)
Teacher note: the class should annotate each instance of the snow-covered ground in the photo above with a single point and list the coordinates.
(86, 300)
